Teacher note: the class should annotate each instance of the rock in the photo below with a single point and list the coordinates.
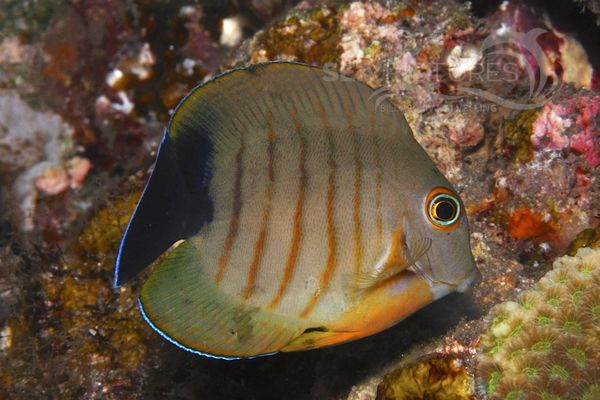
(438, 378)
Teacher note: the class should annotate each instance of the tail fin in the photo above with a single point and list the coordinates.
(168, 210)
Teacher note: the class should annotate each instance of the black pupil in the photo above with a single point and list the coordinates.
(444, 210)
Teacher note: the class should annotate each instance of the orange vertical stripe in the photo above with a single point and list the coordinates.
(357, 203)
(378, 177)
(330, 265)
(297, 233)
(357, 200)
(235, 217)
(260, 242)
(378, 184)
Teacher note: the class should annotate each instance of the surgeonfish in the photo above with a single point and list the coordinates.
(296, 212)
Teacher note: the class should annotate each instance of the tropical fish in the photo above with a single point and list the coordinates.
(299, 212)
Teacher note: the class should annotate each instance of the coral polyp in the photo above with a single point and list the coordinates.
(546, 344)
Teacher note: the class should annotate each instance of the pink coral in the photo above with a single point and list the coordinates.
(466, 133)
(586, 142)
(572, 123)
(362, 13)
(78, 168)
(56, 180)
(549, 127)
(53, 181)
(562, 57)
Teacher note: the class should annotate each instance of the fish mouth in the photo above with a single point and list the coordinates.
(422, 267)
(467, 284)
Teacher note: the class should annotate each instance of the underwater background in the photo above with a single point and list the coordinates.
(502, 95)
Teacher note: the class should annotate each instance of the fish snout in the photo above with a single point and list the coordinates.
(462, 283)
(466, 286)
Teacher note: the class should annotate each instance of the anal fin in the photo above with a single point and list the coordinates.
(183, 304)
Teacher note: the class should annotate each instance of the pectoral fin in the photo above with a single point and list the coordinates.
(394, 265)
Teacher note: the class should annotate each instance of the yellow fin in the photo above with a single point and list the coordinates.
(182, 303)
(312, 339)
(376, 310)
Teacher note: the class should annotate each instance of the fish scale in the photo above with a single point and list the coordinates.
(305, 193)
(256, 170)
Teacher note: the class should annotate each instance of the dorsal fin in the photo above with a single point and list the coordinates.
(170, 208)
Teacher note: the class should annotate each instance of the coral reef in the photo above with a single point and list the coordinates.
(311, 36)
(86, 87)
(435, 379)
(565, 59)
(586, 238)
(546, 344)
(547, 195)
(90, 338)
(30, 142)
(27, 17)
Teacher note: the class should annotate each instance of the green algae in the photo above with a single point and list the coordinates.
(586, 238)
(437, 378)
(518, 135)
(310, 36)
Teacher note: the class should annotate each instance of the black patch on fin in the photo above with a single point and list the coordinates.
(316, 329)
(174, 206)
(193, 147)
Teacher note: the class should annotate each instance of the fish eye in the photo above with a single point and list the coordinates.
(443, 209)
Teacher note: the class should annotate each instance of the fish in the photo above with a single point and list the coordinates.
(290, 211)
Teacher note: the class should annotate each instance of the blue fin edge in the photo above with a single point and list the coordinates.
(181, 346)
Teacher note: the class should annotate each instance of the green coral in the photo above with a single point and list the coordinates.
(546, 345)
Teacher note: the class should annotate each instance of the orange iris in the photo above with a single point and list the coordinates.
(443, 209)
